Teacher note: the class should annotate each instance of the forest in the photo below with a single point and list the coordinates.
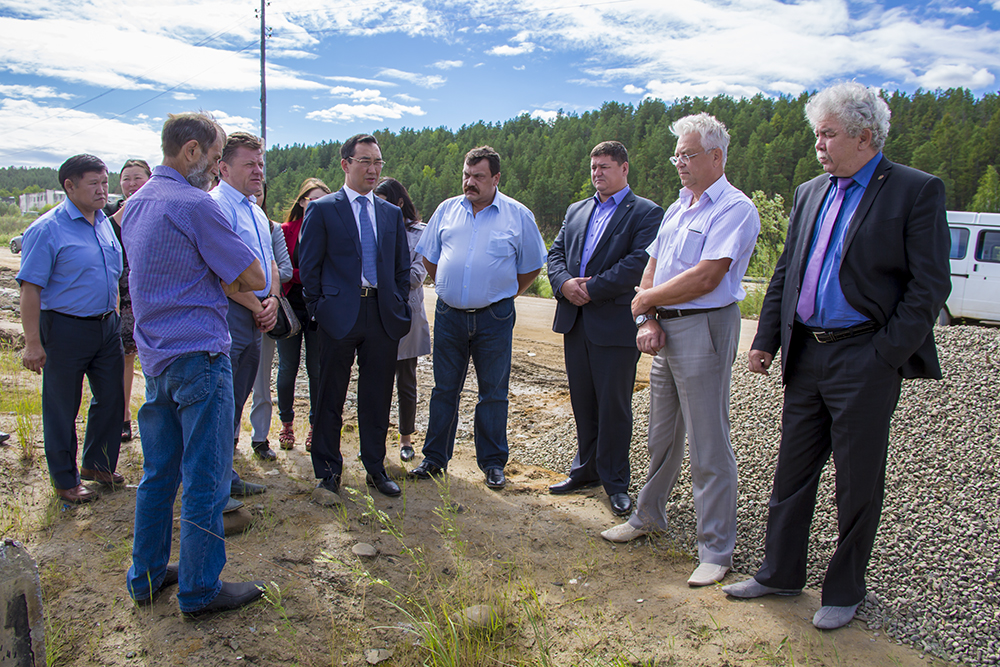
(545, 165)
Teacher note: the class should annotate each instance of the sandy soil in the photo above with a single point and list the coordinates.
(448, 546)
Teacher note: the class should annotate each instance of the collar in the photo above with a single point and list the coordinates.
(713, 192)
(495, 203)
(617, 197)
(234, 195)
(73, 212)
(864, 175)
(352, 195)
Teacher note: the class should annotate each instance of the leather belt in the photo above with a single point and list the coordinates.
(834, 335)
(671, 313)
(98, 318)
(369, 291)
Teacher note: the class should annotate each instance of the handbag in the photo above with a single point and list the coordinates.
(287, 324)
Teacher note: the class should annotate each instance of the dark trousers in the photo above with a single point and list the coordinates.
(244, 354)
(376, 354)
(406, 395)
(289, 357)
(839, 398)
(74, 349)
(601, 380)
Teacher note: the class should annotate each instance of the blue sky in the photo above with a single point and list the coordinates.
(99, 76)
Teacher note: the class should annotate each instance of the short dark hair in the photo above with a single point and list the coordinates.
(238, 140)
(393, 191)
(181, 128)
(347, 150)
(613, 149)
(135, 162)
(484, 153)
(78, 165)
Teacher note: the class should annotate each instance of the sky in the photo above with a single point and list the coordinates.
(100, 76)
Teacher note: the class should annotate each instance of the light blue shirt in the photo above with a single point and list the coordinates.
(479, 257)
(250, 222)
(352, 197)
(77, 264)
(832, 310)
(603, 212)
(724, 223)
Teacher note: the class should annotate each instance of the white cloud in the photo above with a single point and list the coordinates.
(788, 88)
(296, 108)
(360, 82)
(956, 76)
(33, 92)
(184, 97)
(447, 64)
(507, 50)
(142, 116)
(236, 123)
(70, 132)
(406, 98)
(424, 81)
(519, 68)
(547, 116)
(629, 89)
(958, 11)
(377, 111)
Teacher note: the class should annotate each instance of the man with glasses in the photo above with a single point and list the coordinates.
(354, 262)
(687, 315)
(482, 249)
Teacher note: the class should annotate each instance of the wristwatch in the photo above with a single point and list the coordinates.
(642, 319)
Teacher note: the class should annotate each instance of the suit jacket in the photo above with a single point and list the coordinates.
(894, 268)
(329, 252)
(615, 268)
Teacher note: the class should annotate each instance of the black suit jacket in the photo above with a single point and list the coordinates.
(330, 266)
(894, 268)
(615, 268)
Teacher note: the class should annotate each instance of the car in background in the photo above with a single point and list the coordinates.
(15, 244)
(975, 268)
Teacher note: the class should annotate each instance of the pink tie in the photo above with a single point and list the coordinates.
(807, 295)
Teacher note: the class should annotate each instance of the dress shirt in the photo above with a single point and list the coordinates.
(77, 264)
(249, 221)
(723, 224)
(352, 197)
(479, 257)
(603, 212)
(832, 310)
(180, 245)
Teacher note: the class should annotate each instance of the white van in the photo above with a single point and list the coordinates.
(975, 267)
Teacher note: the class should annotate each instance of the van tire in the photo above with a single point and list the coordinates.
(944, 317)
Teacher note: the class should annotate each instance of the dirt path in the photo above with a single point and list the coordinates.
(441, 548)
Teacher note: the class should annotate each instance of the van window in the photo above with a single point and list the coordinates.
(959, 242)
(988, 248)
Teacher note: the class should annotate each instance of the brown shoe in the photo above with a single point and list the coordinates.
(77, 495)
(286, 437)
(106, 478)
(309, 439)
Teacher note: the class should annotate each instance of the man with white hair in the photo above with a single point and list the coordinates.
(687, 315)
(852, 305)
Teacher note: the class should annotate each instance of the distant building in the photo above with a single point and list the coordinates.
(37, 200)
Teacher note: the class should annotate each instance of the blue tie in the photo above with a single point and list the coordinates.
(368, 248)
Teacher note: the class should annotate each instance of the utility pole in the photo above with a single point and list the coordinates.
(263, 84)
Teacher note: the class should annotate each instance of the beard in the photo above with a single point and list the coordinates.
(199, 176)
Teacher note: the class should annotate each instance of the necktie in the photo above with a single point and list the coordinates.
(810, 281)
(368, 249)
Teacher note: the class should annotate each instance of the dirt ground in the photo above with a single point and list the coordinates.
(538, 560)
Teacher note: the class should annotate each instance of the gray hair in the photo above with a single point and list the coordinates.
(181, 128)
(712, 130)
(857, 106)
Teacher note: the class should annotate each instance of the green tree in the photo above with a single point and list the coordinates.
(987, 199)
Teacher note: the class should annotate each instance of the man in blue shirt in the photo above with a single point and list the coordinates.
(482, 249)
(851, 305)
(69, 273)
(595, 264)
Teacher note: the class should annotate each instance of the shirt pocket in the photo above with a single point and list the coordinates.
(691, 246)
(501, 244)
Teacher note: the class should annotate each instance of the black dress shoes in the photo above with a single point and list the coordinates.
(243, 489)
(4, 437)
(232, 596)
(385, 486)
(263, 451)
(331, 484)
(569, 485)
(621, 504)
(406, 453)
(426, 470)
(495, 478)
(170, 578)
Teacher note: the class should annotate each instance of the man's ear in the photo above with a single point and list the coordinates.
(191, 151)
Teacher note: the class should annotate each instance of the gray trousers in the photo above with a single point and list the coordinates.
(689, 394)
(260, 412)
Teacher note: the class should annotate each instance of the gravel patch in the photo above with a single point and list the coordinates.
(933, 580)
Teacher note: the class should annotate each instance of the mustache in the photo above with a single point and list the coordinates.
(472, 188)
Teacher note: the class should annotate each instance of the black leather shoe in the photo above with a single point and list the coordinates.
(495, 478)
(569, 485)
(243, 489)
(4, 437)
(331, 484)
(232, 596)
(621, 504)
(406, 453)
(170, 578)
(385, 486)
(426, 470)
(263, 451)
(126, 431)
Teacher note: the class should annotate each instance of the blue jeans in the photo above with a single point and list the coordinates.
(486, 337)
(187, 432)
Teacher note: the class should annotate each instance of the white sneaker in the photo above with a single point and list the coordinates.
(707, 574)
(623, 533)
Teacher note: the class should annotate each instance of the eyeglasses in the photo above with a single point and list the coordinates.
(368, 162)
(682, 159)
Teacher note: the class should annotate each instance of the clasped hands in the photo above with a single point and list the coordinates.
(267, 317)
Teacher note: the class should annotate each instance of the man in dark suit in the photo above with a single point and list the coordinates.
(852, 304)
(354, 263)
(594, 266)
